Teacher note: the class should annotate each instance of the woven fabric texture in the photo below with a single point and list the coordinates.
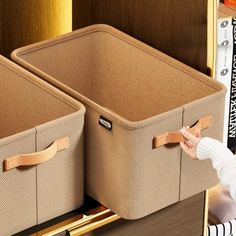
(33, 115)
(141, 92)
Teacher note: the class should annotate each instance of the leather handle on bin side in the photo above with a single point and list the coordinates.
(177, 137)
(37, 157)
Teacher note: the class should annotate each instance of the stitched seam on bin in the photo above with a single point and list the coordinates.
(181, 161)
(145, 125)
(15, 141)
(40, 131)
(23, 138)
(198, 105)
(60, 120)
(67, 38)
(157, 133)
(43, 88)
(118, 119)
(36, 173)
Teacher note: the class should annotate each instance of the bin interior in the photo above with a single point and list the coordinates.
(117, 74)
(24, 104)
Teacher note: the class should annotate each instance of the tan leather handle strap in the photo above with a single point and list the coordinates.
(38, 157)
(177, 137)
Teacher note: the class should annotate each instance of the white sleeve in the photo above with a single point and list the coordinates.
(223, 160)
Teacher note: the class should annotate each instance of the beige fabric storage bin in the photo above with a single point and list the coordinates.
(132, 93)
(41, 150)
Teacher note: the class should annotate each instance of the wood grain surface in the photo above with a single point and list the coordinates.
(180, 219)
(24, 22)
(174, 27)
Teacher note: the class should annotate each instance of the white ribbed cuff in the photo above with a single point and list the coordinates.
(203, 150)
(209, 148)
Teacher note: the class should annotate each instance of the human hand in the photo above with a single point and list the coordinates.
(190, 145)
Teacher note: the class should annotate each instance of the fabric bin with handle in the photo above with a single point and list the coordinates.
(41, 150)
(134, 95)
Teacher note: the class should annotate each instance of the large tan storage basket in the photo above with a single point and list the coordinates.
(133, 94)
(41, 150)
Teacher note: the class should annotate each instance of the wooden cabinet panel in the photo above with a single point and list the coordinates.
(30, 21)
(174, 27)
(183, 218)
(180, 219)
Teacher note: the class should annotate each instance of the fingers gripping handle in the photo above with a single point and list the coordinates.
(177, 137)
(38, 157)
